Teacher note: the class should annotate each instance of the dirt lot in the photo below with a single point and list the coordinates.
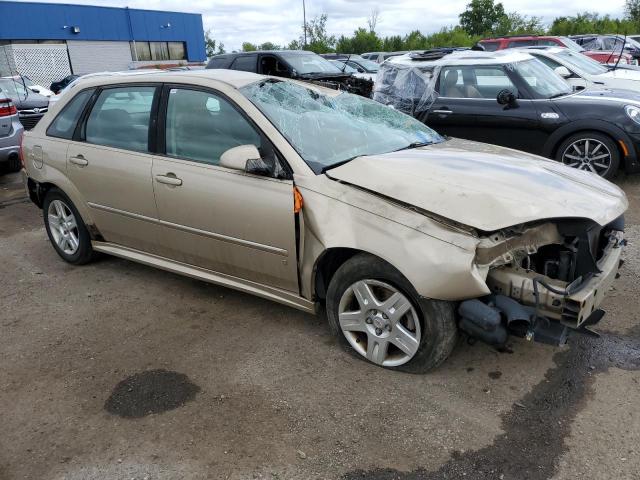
(119, 371)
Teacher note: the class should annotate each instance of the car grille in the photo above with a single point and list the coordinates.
(29, 118)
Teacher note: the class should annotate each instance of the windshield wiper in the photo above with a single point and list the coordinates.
(414, 145)
(559, 95)
(337, 164)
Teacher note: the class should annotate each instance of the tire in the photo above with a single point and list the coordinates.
(428, 332)
(78, 234)
(14, 165)
(574, 156)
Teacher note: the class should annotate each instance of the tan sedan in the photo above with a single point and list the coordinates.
(305, 196)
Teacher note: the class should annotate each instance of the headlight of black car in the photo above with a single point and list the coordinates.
(633, 113)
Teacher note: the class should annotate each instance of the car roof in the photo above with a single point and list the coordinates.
(234, 78)
(465, 57)
(274, 52)
(543, 48)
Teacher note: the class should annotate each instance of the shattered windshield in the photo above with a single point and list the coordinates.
(305, 63)
(328, 130)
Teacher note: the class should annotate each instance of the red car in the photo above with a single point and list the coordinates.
(493, 44)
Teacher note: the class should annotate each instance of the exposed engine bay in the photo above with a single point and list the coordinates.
(545, 279)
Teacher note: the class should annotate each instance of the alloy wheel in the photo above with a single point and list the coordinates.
(379, 322)
(588, 154)
(63, 227)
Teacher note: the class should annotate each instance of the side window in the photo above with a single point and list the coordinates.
(65, 123)
(120, 118)
(474, 82)
(201, 126)
(220, 62)
(246, 63)
(488, 81)
(548, 43)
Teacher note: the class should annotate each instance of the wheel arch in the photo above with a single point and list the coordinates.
(326, 265)
(629, 161)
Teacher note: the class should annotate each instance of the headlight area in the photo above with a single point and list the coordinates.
(546, 280)
(633, 113)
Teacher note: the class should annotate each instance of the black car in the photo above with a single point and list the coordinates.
(56, 87)
(512, 99)
(296, 64)
(31, 106)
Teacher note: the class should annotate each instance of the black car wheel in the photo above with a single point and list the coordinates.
(591, 151)
(377, 315)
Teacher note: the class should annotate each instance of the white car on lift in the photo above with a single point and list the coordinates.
(581, 71)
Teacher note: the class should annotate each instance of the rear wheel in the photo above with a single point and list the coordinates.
(14, 164)
(65, 228)
(377, 315)
(591, 151)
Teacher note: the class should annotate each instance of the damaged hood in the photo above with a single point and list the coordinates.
(484, 186)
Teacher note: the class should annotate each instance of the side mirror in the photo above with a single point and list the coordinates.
(245, 158)
(360, 70)
(562, 71)
(507, 98)
(35, 90)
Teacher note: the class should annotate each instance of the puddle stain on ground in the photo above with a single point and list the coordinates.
(536, 426)
(153, 391)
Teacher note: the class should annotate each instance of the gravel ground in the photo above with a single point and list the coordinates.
(119, 371)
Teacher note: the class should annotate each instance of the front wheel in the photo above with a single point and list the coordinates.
(591, 151)
(377, 315)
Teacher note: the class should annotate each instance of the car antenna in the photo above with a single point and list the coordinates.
(613, 50)
(621, 51)
(344, 64)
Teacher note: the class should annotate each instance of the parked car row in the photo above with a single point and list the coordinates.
(602, 55)
(309, 195)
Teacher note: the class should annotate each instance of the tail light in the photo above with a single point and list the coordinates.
(7, 108)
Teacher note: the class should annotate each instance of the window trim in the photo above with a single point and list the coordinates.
(80, 132)
(524, 92)
(161, 131)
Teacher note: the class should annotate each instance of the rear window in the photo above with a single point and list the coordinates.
(65, 123)
(522, 43)
(220, 62)
(490, 46)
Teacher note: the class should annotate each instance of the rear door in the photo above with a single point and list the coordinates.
(467, 108)
(224, 220)
(109, 162)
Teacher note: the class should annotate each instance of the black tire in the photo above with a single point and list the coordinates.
(84, 253)
(14, 165)
(437, 317)
(600, 137)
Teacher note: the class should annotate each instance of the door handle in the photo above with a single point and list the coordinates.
(79, 160)
(169, 179)
(443, 111)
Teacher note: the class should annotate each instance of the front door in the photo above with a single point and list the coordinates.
(110, 165)
(224, 220)
(467, 108)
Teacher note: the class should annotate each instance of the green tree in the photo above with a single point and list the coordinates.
(268, 46)
(587, 22)
(211, 46)
(632, 10)
(482, 17)
(515, 24)
(392, 44)
(318, 40)
(249, 47)
(363, 40)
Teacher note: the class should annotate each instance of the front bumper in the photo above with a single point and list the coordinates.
(571, 310)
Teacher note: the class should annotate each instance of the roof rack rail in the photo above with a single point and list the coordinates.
(435, 53)
(517, 36)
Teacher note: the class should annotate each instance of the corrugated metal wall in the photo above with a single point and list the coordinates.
(90, 57)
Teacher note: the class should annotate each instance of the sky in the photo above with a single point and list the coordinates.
(280, 21)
